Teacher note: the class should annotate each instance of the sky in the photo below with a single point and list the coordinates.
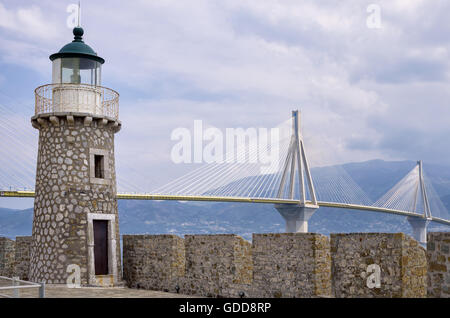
(364, 92)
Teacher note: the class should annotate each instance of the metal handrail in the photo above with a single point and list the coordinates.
(15, 287)
(76, 96)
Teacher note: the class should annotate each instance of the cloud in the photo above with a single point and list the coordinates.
(364, 93)
(26, 35)
(28, 22)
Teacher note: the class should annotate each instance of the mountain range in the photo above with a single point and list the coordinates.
(374, 177)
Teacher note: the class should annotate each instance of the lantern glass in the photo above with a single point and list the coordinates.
(76, 70)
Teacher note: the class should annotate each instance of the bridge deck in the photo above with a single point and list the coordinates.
(162, 197)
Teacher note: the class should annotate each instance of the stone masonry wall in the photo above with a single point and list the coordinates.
(291, 265)
(282, 265)
(153, 262)
(401, 259)
(22, 256)
(65, 194)
(414, 269)
(207, 265)
(215, 263)
(7, 250)
(438, 254)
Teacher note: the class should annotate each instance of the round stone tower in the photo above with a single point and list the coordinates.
(75, 223)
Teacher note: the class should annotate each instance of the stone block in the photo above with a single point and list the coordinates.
(7, 257)
(291, 265)
(216, 265)
(22, 257)
(438, 256)
(154, 262)
(381, 265)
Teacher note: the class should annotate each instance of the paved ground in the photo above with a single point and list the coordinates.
(58, 291)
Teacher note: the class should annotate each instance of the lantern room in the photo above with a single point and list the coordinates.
(77, 63)
(77, 83)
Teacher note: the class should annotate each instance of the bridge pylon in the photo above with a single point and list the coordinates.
(419, 224)
(297, 216)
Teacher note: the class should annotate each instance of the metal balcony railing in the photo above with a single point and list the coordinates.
(83, 98)
(11, 287)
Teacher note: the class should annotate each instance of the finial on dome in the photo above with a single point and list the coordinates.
(78, 33)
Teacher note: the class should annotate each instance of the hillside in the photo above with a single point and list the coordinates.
(374, 177)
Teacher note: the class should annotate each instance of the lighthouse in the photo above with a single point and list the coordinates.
(75, 223)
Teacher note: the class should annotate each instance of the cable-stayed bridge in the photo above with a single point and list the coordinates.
(287, 181)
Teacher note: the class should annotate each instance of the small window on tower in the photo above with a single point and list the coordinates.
(99, 166)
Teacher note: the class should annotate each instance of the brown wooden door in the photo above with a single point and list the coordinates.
(101, 247)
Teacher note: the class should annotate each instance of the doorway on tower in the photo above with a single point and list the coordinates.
(101, 247)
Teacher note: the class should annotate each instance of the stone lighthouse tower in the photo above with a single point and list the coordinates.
(75, 224)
